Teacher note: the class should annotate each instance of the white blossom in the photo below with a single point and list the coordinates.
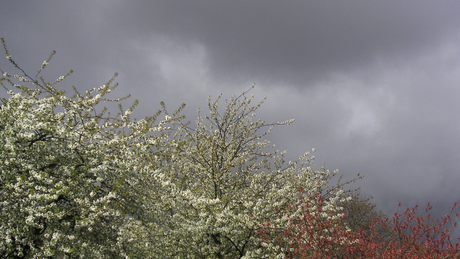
(110, 187)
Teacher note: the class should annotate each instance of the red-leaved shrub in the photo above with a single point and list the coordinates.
(319, 232)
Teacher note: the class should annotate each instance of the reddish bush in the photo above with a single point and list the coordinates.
(412, 237)
(319, 232)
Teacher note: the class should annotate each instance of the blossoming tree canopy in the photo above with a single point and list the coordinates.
(80, 183)
(71, 179)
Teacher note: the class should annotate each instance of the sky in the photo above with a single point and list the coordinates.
(374, 86)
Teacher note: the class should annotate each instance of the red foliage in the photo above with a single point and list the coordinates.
(314, 234)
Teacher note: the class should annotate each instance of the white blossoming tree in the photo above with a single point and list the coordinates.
(72, 180)
(223, 177)
(78, 183)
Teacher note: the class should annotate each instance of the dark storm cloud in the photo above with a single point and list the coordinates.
(374, 85)
(295, 41)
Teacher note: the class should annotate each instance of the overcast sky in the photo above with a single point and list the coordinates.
(374, 86)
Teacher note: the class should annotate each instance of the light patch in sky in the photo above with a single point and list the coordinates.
(363, 120)
(177, 64)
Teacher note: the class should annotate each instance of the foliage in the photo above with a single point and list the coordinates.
(314, 234)
(413, 237)
(360, 212)
(71, 179)
(223, 175)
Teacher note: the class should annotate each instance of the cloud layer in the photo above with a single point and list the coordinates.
(373, 85)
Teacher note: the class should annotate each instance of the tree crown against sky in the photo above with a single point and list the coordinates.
(72, 178)
(79, 182)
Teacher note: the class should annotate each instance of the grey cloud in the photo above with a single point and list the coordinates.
(373, 85)
(295, 41)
